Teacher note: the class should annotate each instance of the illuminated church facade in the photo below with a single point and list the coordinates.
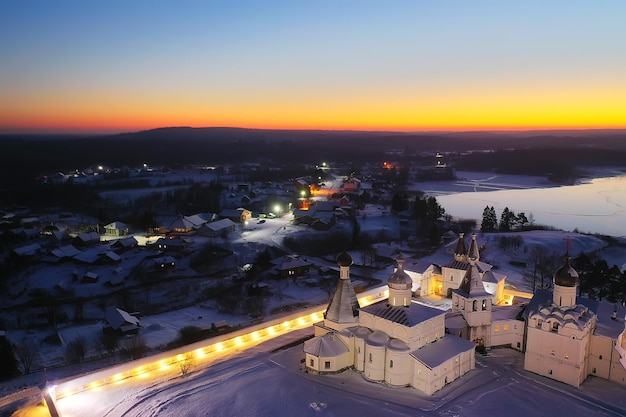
(396, 341)
(401, 342)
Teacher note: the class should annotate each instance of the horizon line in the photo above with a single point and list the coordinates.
(105, 132)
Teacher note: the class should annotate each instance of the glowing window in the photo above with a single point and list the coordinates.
(566, 356)
(496, 328)
(505, 327)
(552, 352)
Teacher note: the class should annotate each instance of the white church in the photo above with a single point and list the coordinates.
(396, 341)
(401, 342)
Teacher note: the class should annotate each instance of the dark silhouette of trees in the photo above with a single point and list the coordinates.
(8, 363)
(399, 202)
(600, 281)
(490, 220)
(508, 220)
(540, 268)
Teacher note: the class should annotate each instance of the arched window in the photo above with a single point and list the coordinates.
(370, 358)
(475, 305)
(391, 363)
(484, 305)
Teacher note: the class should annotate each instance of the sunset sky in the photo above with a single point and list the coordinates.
(111, 66)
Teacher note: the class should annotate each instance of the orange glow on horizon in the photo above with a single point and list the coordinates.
(100, 128)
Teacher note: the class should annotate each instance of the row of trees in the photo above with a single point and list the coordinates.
(598, 280)
(508, 220)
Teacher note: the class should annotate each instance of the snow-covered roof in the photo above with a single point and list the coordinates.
(409, 316)
(89, 237)
(113, 256)
(455, 321)
(181, 222)
(287, 262)
(116, 225)
(219, 225)
(88, 257)
(328, 345)
(418, 266)
(28, 250)
(67, 251)
(344, 306)
(441, 350)
(196, 220)
(607, 326)
(125, 242)
(120, 319)
(472, 283)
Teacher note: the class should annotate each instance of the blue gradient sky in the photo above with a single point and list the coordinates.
(400, 65)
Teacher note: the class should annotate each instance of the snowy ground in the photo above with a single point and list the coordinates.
(262, 382)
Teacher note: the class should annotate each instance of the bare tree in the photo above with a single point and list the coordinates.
(186, 363)
(108, 343)
(76, 350)
(134, 347)
(26, 352)
(540, 267)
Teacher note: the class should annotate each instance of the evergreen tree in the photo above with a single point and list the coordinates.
(490, 220)
(506, 220)
(398, 203)
(433, 210)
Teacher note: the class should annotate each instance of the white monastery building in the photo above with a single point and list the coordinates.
(396, 341)
(402, 342)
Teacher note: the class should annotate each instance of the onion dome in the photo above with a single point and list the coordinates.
(377, 338)
(344, 259)
(400, 280)
(566, 276)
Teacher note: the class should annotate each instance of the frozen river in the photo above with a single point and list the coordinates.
(593, 206)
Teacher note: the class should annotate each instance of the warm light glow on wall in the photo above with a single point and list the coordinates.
(164, 365)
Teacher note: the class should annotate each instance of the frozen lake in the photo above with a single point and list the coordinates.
(594, 206)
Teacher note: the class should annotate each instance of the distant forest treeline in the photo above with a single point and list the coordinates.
(27, 156)
(558, 164)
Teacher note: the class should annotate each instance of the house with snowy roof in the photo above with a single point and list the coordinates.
(116, 229)
(289, 266)
(121, 321)
(180, 225)
(218, 228)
